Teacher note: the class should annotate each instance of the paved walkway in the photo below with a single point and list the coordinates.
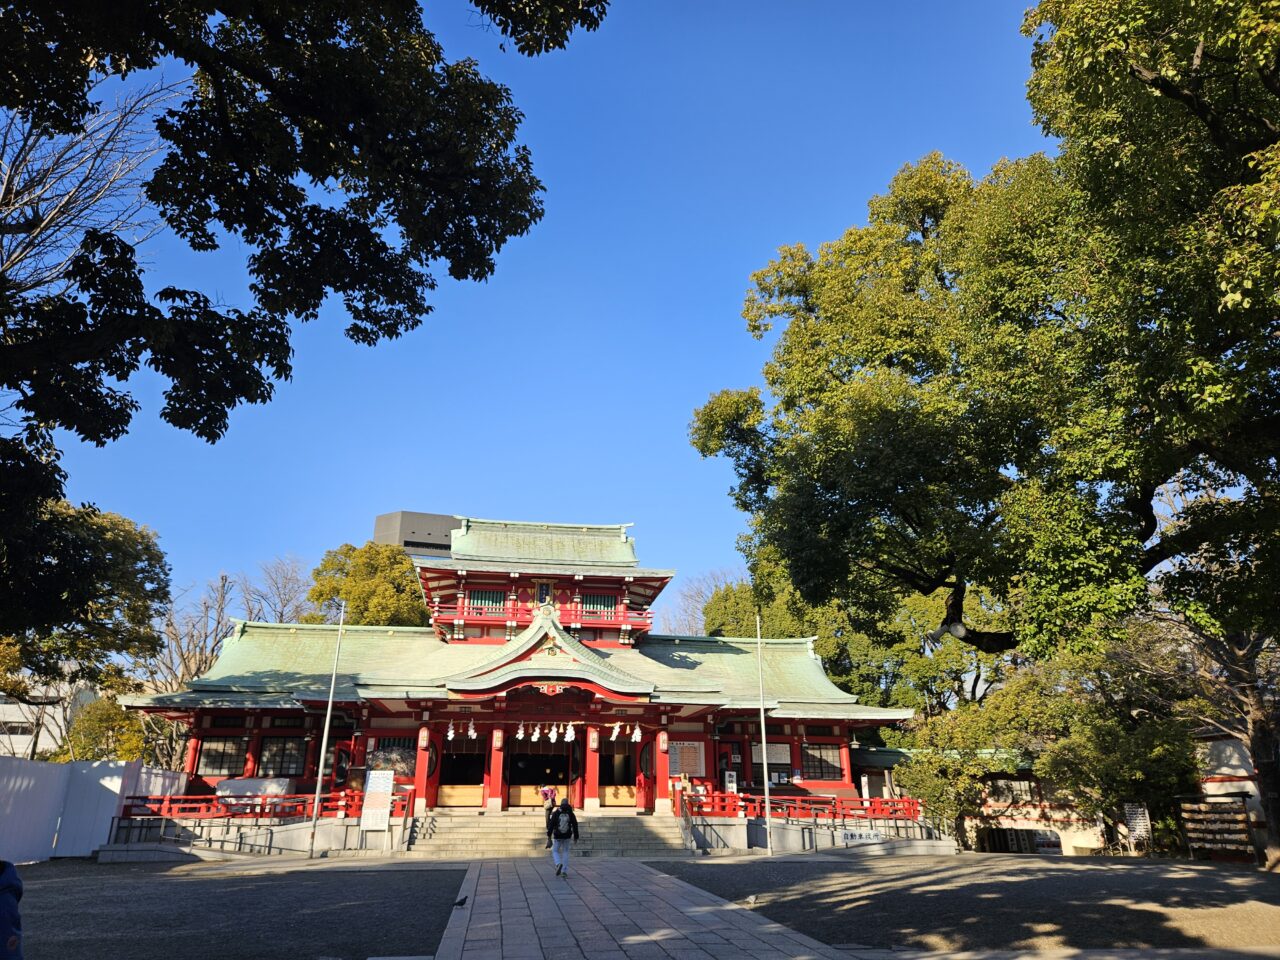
(608, 910)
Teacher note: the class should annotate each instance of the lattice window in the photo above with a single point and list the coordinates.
(222, 757)
(603, 604)
(491, 601)
(820, 761)
(283, 757)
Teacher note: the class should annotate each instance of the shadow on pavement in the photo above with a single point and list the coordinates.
(975, 902)
(85, 911)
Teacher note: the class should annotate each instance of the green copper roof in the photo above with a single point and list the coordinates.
(275, 665)
(556, 543)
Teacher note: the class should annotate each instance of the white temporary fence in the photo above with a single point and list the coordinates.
(65, 809)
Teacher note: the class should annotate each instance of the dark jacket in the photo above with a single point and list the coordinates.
(10, 921)
(554, 825)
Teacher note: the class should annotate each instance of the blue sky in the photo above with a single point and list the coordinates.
(680, 146)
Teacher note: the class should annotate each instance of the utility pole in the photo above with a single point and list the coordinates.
(324, 738)
(764, 740)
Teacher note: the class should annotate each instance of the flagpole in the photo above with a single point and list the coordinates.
(764, 740)
(324, 739)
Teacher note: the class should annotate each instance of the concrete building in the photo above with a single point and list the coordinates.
(27, 730)
(422, 534)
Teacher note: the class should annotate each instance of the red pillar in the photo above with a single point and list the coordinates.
(591, 775)
(662, 773)
(494, 781)
(644, 782)
(193, 756)
(431, 789)
(420, 769)
(313, 756)
(846, 762)
(252, 754)
(795, 757)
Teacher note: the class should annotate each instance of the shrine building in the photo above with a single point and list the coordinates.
(541, 664)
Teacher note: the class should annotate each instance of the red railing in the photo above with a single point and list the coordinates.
(833, 809)
(344, 803)
(568, 613)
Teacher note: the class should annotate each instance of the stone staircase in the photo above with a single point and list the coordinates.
(511, 834)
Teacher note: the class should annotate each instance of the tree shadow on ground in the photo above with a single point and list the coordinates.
(87, 911)
(987, 901)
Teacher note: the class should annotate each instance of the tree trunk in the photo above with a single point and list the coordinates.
(962, 832)
(1264, 740)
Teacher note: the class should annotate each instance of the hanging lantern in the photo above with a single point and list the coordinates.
(569, 735)
(616, 728)
(554, 735)
(635, 734)
(520, 731)
(537, 732)
(448, 734)
(471, 729)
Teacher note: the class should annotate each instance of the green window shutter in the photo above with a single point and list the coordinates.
(486, 598)
(599, 603)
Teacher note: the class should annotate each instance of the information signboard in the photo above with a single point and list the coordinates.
(687, 758)
(779, 756)
(1137, 820)
(375, 813)
(862, 836)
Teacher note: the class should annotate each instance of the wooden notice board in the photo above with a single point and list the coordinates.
(1218, 829)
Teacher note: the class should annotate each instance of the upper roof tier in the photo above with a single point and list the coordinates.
(571, 544)
(278, 665)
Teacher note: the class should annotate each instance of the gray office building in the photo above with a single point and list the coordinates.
(425, 534)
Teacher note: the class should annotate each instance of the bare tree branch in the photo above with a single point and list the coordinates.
(279, 595)
(54, 188)
(683, 618)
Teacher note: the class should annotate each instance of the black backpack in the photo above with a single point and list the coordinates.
(563, 820)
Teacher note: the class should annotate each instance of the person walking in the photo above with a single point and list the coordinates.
(548, 795)
(562, 828)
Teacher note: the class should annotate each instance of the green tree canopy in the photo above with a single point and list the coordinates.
(922, 399)
(997, 383)
(103, 730)
(901, 664)
(109, 611)
(378, 583)
(334, 142)
(1077, 722)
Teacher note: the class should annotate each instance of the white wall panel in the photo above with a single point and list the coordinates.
(65, 809)
(31, 798)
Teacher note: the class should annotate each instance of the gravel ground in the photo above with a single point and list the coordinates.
(81, 910)
(989, 901)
